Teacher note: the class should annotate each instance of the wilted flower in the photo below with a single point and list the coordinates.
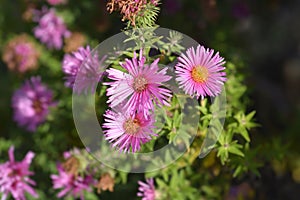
(31, 103)
(51, 29)
(128, 8)
(29, 12)
(14, 177)
(127, 130)
(71, 165)
(20, 54)
(83, 70)
(73, 42)
(71, 184)
(106, 182)
(142, 85)
(200, 72)
(147, 190)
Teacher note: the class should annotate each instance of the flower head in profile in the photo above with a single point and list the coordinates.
(31, 103)
(14, 177)
(51, 29)
(127, 131)
(200, 72)
(130, 9)
(83, 70)
(71, 184)
(20, 54)
(141, 87)
(146, 190)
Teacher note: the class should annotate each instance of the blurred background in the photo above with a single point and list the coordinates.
(263, 37)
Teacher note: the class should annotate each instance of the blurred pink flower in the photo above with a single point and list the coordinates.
(142, 85)
(126, 130)
(56, 2)
(83, 70)
(14, 177)
(51, 29)
(31, 103)
(146, 190)
(200, 72)
(71, 184)
(20, 54)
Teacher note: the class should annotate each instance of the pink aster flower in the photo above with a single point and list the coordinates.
(83, 67)
(146, 190)
(140, 87)
(127, 130)
(14, 177)
(200, 72)
(71, 184)
(51, 29)
(31, 104)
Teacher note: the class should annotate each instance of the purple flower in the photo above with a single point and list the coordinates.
(71, 184)
(147, 190)
(14, 177)
(83, 67)
(51, 29)
(127, 130)
(141, 87)
(31, 104)
(200, 72)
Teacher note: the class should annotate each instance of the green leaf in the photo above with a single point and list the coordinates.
(235, 150)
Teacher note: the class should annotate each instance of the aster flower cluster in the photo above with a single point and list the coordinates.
(31, 103)
(76, 176)
(51, 29)
(68, 178)
(20, 54)
(137, 88)
(132, 98)
(14, 177)
(133, 94)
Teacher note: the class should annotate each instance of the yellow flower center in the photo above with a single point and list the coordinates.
(131, 126)
(139, 84)
(199, 74)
